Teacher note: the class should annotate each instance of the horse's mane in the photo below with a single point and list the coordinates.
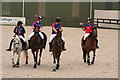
(92, 32)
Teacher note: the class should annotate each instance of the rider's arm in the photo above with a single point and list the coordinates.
(60, 28)
(53, 28)
(33, 25)
(15, 30)
(23, 31)
(93, 26)
(83, 28)
(41, 27)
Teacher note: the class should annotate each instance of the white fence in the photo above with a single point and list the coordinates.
(106, 14)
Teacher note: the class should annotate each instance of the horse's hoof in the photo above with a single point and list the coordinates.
(84, 61)
(38, 63)
(92, 63)
(35, 66)
(14, 65)
(88, 64)
(57, 67)
(26, 62)
(54, 70)
(17, 66)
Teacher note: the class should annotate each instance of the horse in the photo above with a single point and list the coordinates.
(57, 49)
(17, 48)
(90, 45)
(36, 45)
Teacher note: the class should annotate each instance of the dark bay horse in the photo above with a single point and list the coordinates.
(90, 45)
(36, 46)
(57, 49)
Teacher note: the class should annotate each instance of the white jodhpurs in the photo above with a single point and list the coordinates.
(53, 35)
(33, 34)
(22, 38)
(86, 35)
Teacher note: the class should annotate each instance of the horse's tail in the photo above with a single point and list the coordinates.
(45, 38)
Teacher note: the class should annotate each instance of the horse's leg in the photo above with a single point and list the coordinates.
(88, 58)
(40, 56)
(84, 56)
(34, 58)
(13, 64)
(54, 62)
(58, 62)
(26, 54)
(93, 57)
(35, 64)
(18, 59)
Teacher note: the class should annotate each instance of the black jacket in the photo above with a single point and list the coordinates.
(19, 31)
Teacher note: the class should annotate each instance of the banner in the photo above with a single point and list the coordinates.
(11, 20)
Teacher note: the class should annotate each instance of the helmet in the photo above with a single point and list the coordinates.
(19, 22)
(58, 19)
(38, 17)
(88, 19)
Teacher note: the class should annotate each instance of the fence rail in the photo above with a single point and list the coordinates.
(107, 21)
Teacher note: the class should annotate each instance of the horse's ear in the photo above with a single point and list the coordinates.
(57, 29)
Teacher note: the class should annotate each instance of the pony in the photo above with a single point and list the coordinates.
(36, 45)
(17, 48)
(90, 45)
(57, 49)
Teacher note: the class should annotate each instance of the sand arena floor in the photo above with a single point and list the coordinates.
(72, 66)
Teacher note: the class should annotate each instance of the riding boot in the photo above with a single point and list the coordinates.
(50, 47)
(63, 46)
(24, 46)
(83, 43)
(10, 46)
(43, 45)
(29, 44)
(97, 44)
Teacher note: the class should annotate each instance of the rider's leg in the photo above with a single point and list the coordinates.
(41, 35)
(50, 42)
(29, 39)
(63, 46)
(10, 45)
(24, 44)
(86, 35)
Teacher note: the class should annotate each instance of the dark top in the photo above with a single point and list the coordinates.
(19, 31)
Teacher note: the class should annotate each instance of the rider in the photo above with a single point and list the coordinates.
(37, 23)
(56, 25)
(19, 31)
(88, 29)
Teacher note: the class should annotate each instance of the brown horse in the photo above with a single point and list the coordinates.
(57, 49)
(36, 45)
(90, 45)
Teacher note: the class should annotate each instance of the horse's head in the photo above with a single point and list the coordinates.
(94, 32)
(36, 28)
(16, 41)
(59, 33)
